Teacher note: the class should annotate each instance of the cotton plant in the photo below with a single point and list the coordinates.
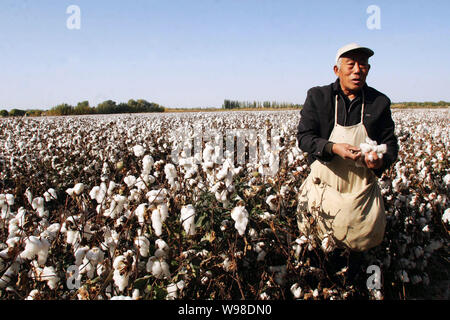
(38, 205)
(6, 201)
(143, 244)
(123, 267)
(138, 150)
(158, 217)
(240, 215)
(188, 219)
(36, 247)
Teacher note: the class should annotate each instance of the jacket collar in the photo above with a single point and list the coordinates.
(336, 86)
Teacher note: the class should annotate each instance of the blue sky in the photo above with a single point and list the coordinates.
(196, 53)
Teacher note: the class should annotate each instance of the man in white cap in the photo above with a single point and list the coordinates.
(340, 201)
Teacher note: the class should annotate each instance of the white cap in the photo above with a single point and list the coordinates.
(353, 47)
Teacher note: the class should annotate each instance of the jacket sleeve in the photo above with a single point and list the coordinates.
(387, 136)
(308, 131)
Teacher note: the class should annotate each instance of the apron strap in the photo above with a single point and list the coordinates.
(336, 108)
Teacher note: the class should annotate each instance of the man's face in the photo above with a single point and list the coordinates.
(353, 71)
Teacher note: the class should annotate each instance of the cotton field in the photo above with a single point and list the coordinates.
(202, 206)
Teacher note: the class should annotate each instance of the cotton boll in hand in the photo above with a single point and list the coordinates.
(371, 146)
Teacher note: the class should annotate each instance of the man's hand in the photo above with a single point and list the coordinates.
(375, 163)
(346, 151)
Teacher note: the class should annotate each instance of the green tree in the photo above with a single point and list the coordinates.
(17, 113)
(83, 108)
(107, 107)
(3, 113)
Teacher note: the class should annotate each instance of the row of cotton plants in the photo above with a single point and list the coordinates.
(155, 207)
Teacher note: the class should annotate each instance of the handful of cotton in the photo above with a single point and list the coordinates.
(371, 145)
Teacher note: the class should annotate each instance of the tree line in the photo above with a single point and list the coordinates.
(106, 107)
(426, 104)
(234, 104)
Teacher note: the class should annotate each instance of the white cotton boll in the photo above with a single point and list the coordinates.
(70, 192)
(95, 255)
(143, 244)
(264, 296)
(147, 163)
(252, 233)
(111, 187)
(122, 269)
(35, 246)
(33, 294)
(272, 202)
(38, 205)
(328, 244)
(73, 237)
(129, 180)
(157, 196)
(261, 253)
(138, 150)
(100, 269)
(188, 219)
(240, 215)
(43, 252)
(266, 216)
(98, 193)
(79, 254)
(365, 148)
(382, 148)
(49, 275)
(446, 179)
(121, 281)
(296, 290)
(157, 222)
(172, 291)
(316, 293)
(9, 199)
(446, 216)
(140, 213)
(208, 152)
(181, 284)
(29, 196)
(159, 269)
(32, 247)
(162, 248)
(78, 188)
(226, 264)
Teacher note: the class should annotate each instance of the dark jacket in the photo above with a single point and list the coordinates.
(317, 121)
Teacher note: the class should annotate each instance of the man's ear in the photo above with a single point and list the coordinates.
(336, 70)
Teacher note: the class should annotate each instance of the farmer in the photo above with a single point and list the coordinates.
(340, 201)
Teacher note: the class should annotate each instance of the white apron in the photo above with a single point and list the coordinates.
(345, 201)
